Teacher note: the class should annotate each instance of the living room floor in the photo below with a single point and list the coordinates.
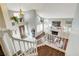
(48, 51)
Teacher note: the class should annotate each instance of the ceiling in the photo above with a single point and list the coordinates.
(47, 10)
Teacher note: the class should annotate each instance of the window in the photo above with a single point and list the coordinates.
(26, 30)
(56, 23)
(39, 27)
(16, 14)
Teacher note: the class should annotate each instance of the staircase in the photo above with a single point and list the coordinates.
(21, 47)
(53, 41)
(29, 48)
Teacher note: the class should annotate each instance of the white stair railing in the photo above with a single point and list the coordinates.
(55, 40)
(51, 39)
(28, 48)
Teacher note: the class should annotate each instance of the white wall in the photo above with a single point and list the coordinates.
(48, 10)
(57, 10)
(73, 43)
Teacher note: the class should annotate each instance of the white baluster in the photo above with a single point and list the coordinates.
(14, 47)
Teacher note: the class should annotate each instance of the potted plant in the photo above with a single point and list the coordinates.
(15, 18)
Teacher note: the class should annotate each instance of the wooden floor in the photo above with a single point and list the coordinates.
(48, 51)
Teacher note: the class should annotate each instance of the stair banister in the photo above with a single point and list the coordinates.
(30, 44)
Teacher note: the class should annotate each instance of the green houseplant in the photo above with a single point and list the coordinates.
(15, 18)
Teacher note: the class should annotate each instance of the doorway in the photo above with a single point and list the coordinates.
(1, 51)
